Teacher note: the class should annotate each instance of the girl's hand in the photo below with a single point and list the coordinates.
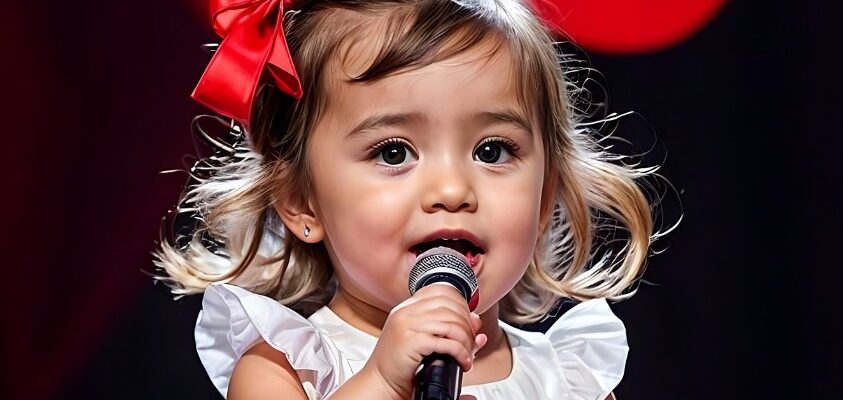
(435, 320)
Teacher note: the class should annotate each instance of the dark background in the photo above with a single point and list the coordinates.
(743, 304)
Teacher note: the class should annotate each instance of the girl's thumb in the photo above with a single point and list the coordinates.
(480, 341)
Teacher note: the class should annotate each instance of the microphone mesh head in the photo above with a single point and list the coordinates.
(440, 260)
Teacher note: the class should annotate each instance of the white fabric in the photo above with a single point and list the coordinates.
(582, 356)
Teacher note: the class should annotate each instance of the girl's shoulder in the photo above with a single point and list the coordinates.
(232, 320)
(587, 346)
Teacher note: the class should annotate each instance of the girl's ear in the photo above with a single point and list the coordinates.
(300, 220)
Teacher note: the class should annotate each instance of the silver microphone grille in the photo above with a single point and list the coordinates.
(442, 261)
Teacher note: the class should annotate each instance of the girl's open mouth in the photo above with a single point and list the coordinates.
(471, 251)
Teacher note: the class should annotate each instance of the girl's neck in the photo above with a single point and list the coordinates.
(358, 313)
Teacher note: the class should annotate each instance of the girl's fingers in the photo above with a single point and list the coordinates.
(444, 292)
(426, 307)
(440, 292)
(449, 330)
(444, 314)
(447, 346)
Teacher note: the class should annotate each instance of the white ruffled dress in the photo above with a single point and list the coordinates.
(582, 356)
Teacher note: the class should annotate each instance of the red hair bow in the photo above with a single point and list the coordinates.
(253, 37)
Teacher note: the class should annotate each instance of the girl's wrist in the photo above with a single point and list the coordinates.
(367, 382)
(376, 378)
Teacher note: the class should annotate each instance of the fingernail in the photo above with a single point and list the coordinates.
(479, 341)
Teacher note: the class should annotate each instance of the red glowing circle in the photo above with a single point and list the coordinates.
(626, 26)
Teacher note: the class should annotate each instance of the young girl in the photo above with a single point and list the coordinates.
(389, 127)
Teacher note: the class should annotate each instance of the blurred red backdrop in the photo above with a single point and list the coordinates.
(95, 103)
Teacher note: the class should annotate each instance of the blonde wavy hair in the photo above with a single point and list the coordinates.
(239, 238)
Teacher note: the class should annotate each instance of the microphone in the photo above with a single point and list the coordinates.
(439, 377)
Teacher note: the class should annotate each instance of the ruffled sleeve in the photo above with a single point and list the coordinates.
(233, 319)
(591, 348)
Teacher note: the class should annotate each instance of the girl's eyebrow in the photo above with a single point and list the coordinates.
(507, 116)
(378, 121)
(484, 118)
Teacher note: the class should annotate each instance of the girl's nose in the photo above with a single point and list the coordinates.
(448, 188)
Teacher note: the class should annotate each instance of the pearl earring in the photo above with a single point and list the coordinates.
(306, 231)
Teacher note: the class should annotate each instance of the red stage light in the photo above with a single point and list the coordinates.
(626, 26)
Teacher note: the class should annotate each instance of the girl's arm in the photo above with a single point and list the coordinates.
(264, 373)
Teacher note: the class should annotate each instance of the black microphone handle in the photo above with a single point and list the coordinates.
(439, 377)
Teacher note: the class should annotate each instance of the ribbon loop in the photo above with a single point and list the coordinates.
(253, 36)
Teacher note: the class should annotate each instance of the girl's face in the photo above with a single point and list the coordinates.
(442, 152)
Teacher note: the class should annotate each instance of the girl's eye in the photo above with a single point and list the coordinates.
(393, 153)
(494, 151)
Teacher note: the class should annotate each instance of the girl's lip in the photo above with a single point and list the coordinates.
(451, 233)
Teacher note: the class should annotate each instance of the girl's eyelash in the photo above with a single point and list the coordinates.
(508, 144)
(377, 147)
